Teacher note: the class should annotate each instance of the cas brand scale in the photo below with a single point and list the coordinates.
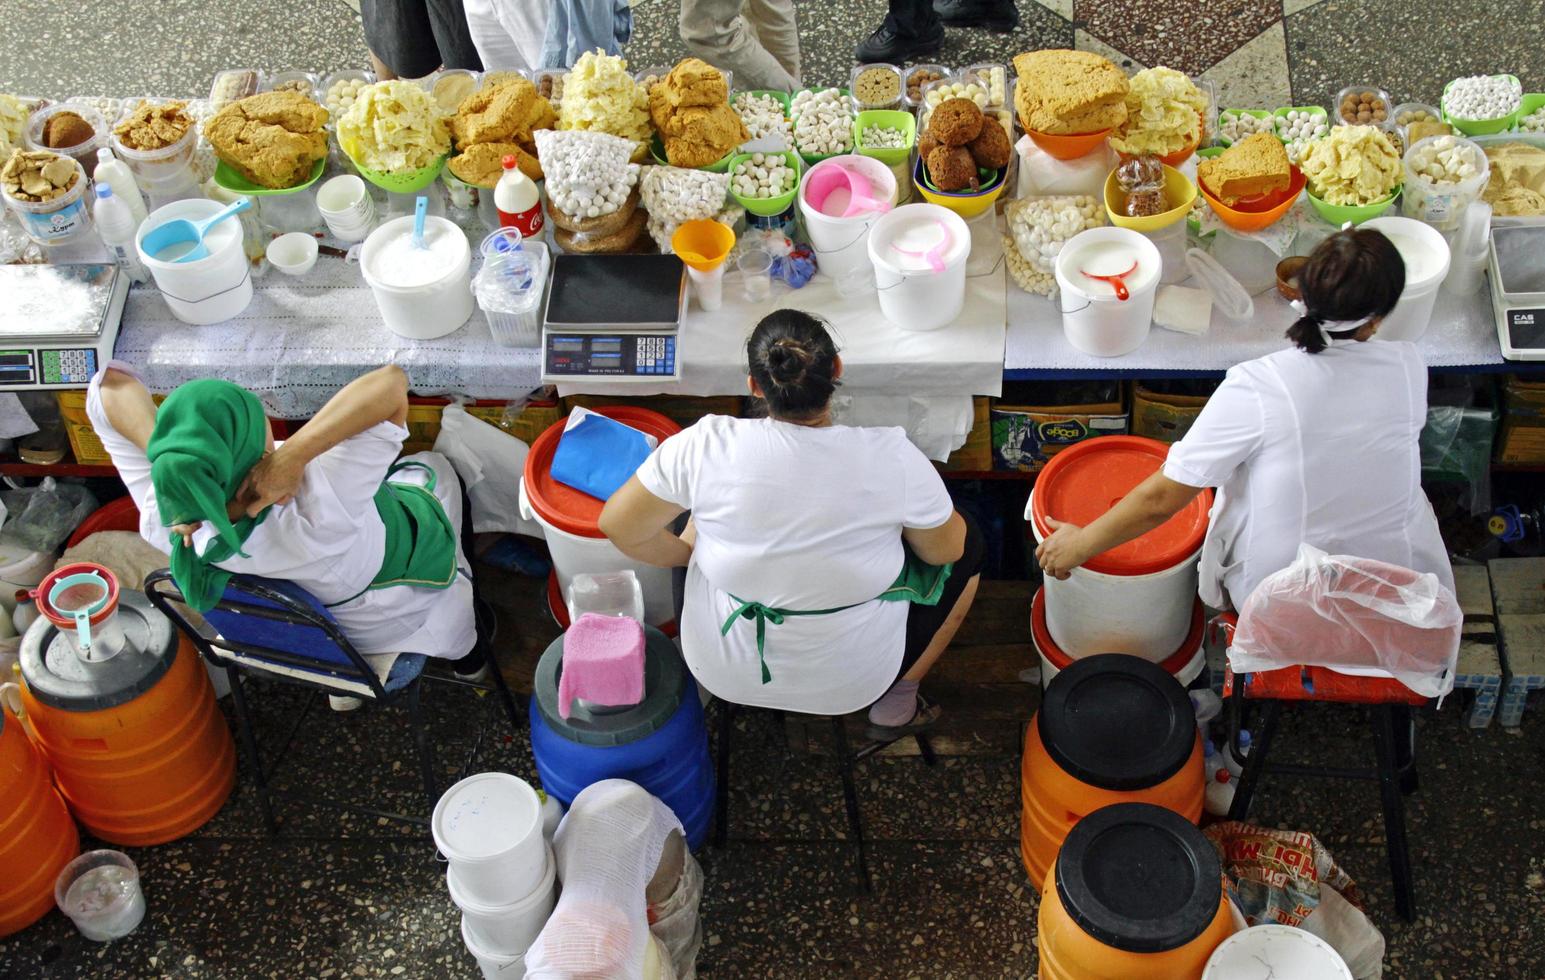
(1517, 274)
(614, 318)
(58, 323)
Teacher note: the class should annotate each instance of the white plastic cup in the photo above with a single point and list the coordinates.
(346, 207)
(493, 965)
(755, 267)
(512, 927)
(1412, 314)
(1102, 325)
(489, 827)
(421, 312)
(709, 287)
(101, 894)
(208, 290)
(293, 254)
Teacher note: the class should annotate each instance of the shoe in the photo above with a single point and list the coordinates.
(1001, 17)
(926, 716)
(482, 675)
(888, 46)
(344, 702)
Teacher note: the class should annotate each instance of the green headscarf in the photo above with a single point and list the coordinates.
(208, 434)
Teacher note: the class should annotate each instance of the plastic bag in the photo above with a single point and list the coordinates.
(490, 463)
(1354, 615)
(42, 517)
(1456, 443)
(1289, 877)
(675, 922)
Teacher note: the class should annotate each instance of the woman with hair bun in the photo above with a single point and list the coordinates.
(827, 568)
(1316, 444)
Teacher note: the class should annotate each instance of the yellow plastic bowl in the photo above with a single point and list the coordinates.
(1177, 188)
(967, 204)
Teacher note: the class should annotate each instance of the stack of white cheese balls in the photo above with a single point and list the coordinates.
(1298, 124)
(763, 175)
(823, 122)
(762, 114)
(588, 173)
(882, 138)
(1534, 122)
(1445, 159)
(1236, 126)
(944, 90)
(1482, 96)
(341, 95)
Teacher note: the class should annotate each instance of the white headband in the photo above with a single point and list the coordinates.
(1328, 327)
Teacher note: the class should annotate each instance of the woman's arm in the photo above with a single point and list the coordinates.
(129, 408)
(1155, 501)
(938, 545)
(638, 523)
(380, 396)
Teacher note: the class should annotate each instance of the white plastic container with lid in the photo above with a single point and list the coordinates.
(116, 225)
(1442, 205)
(207, 290)
(489, 827)
(1108, 317)
(422, 293)
(166, 174)
(1426, 256)
(1277, 951)
(56, 222)
(116, 174)
(509, 927)
(86, 151)
(919, 252)
(840, 243)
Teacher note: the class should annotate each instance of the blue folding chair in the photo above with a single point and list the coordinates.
(280, 630)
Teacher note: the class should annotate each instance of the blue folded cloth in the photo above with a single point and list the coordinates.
(596, 455)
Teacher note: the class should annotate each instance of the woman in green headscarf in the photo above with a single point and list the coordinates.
(330, 509)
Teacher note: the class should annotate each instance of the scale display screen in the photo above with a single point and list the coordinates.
(622, 357)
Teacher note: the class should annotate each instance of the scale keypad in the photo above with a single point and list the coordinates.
(70, 366)
(655, 355)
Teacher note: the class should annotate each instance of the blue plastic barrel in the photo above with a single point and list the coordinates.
(661, 743)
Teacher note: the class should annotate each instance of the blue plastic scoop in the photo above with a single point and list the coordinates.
(420, 211)
(181, 240)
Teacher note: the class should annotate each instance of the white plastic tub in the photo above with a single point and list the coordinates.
(841, 244)
(1276, 951)
(510, 928)
(1185, 664)
(489, 827)
(493, 965)
(420, 302)
(1426, 254)
(55, 222)
(913, 294)
(207, 290)
(100, 892)
(1094, 319)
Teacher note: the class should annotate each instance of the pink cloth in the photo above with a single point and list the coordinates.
(603, 662)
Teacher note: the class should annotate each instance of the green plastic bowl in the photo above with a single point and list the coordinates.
(1480, 127)
(1311, 109)
(1339, 214)
(886, 119)
(232, 180)
(657, 150)
(1231, 113)
(407, 182)
(783, 97)
(1533, 102)
(767, 207)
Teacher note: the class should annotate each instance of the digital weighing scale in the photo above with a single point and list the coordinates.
(614, 318)
(1517, 274)
(58, 323)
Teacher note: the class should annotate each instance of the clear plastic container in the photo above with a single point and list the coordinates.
(1389, 105)
(657, 72)
(450, 87)
(84, 153)
(994, 77)
(1406, 107)
(549, 83)
(232, 85)
(607, 594)
(503, 75)
(885, 75)
(101, 894)
(59, 221)
(942, 71)
(164, 173)
(331, 92)
(1442, 205)
(303, 82)
(509, 290)
(1208, 88)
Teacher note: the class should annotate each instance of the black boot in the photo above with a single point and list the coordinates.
(891, 45)
(995, 15)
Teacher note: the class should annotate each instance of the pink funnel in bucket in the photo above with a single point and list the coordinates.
(839, 192)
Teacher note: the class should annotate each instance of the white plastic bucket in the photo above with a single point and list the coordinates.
(1097, 322)
(913, 294)
(509, 928)
(494, 966)
(841, 244)
(1426, 254)
(1276, 951)
(429, 310)
(1187, 672)
(574, 554)
(208, 290)
(489, 827)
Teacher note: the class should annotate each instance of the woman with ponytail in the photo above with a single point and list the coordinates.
(1316, 444)
(827, 568)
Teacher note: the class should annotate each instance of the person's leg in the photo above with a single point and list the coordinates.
(448, 21)
(777, 31)
(715, 31)
(400, 38)
(911, 31)
(995, 15)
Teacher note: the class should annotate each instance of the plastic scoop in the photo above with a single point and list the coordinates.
(934, 255)
(80, 597)
(1116, 281)
(703, 246)
(420, 212)
(180, 231)
(838, 192)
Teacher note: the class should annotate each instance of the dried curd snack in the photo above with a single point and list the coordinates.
(1038, 228)
(37, 176)
(154, 126)
(393, 127)
(1516, 187)
(1064, 92)
(1164, 114)
(600, 96)
(1352, 165)
(503, 116)
(691, 110)
(13, 121)
(272, 139)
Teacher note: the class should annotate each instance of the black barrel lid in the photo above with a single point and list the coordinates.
(665, 682)
(1117, 722)
(1139, 877)
(58, 677)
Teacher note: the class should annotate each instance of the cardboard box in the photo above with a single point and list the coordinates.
(1166, 411)
(976, 455)
(1024, 437)
(1522, 439)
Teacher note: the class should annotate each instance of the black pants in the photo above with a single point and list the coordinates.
(414, 37)
(924, 622)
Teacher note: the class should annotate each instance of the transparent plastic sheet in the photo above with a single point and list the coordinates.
(489, 463)
(608, 848)
(1456, 441)
(41, 517)
(675, 922)
(1351, 615)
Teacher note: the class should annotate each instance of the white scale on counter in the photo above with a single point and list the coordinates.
(614, 318)
(58, 323)
(1517, 274)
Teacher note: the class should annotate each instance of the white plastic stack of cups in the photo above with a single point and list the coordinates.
(347, 207)
(501, 873)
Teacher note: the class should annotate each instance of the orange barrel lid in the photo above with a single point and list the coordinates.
(1060, 659)
(1117, 722)
(1082, 482)
(562, 506)
(1139, 877)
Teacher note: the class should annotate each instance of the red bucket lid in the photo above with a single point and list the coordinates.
(1058, 658)
(562, 506)
(1082, 482)
(40, 594)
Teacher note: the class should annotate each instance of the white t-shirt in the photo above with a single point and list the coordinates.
(1318, 448)
(329, 540)
(798, 518)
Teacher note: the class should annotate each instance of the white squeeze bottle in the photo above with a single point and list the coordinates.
(1220, 793)
(518, 200)
(116, 174)
(116, 225)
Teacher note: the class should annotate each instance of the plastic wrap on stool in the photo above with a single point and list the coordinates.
(676, 922)
(608, 847)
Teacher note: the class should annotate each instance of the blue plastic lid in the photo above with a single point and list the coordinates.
(104, 191)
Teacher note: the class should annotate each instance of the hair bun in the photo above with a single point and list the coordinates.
(787, 362)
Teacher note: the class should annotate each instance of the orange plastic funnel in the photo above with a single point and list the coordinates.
(703, 245)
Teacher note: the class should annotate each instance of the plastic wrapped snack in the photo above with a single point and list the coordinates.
(1164, 114)
(600, 96)
(673, 195)
(1352, 165)
(394, 127)
(1038, 228)
(588, 173)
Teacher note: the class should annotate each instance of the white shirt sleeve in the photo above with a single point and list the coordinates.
(1229, 428)
(353, 470)
(132, 463)
(927, 504)
(670, 472)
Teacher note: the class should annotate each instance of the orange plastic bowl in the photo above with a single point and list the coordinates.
(1258, 214)
(1068, 147)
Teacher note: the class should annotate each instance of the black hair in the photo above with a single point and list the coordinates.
(1352, 275)
(794, 361)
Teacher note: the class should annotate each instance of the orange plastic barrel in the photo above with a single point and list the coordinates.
(1112, 728)
(1136, 893)
(140, 751)
(37, 836)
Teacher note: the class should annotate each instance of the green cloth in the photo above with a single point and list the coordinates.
(208, 435)
(919, 582)
(420, 541)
